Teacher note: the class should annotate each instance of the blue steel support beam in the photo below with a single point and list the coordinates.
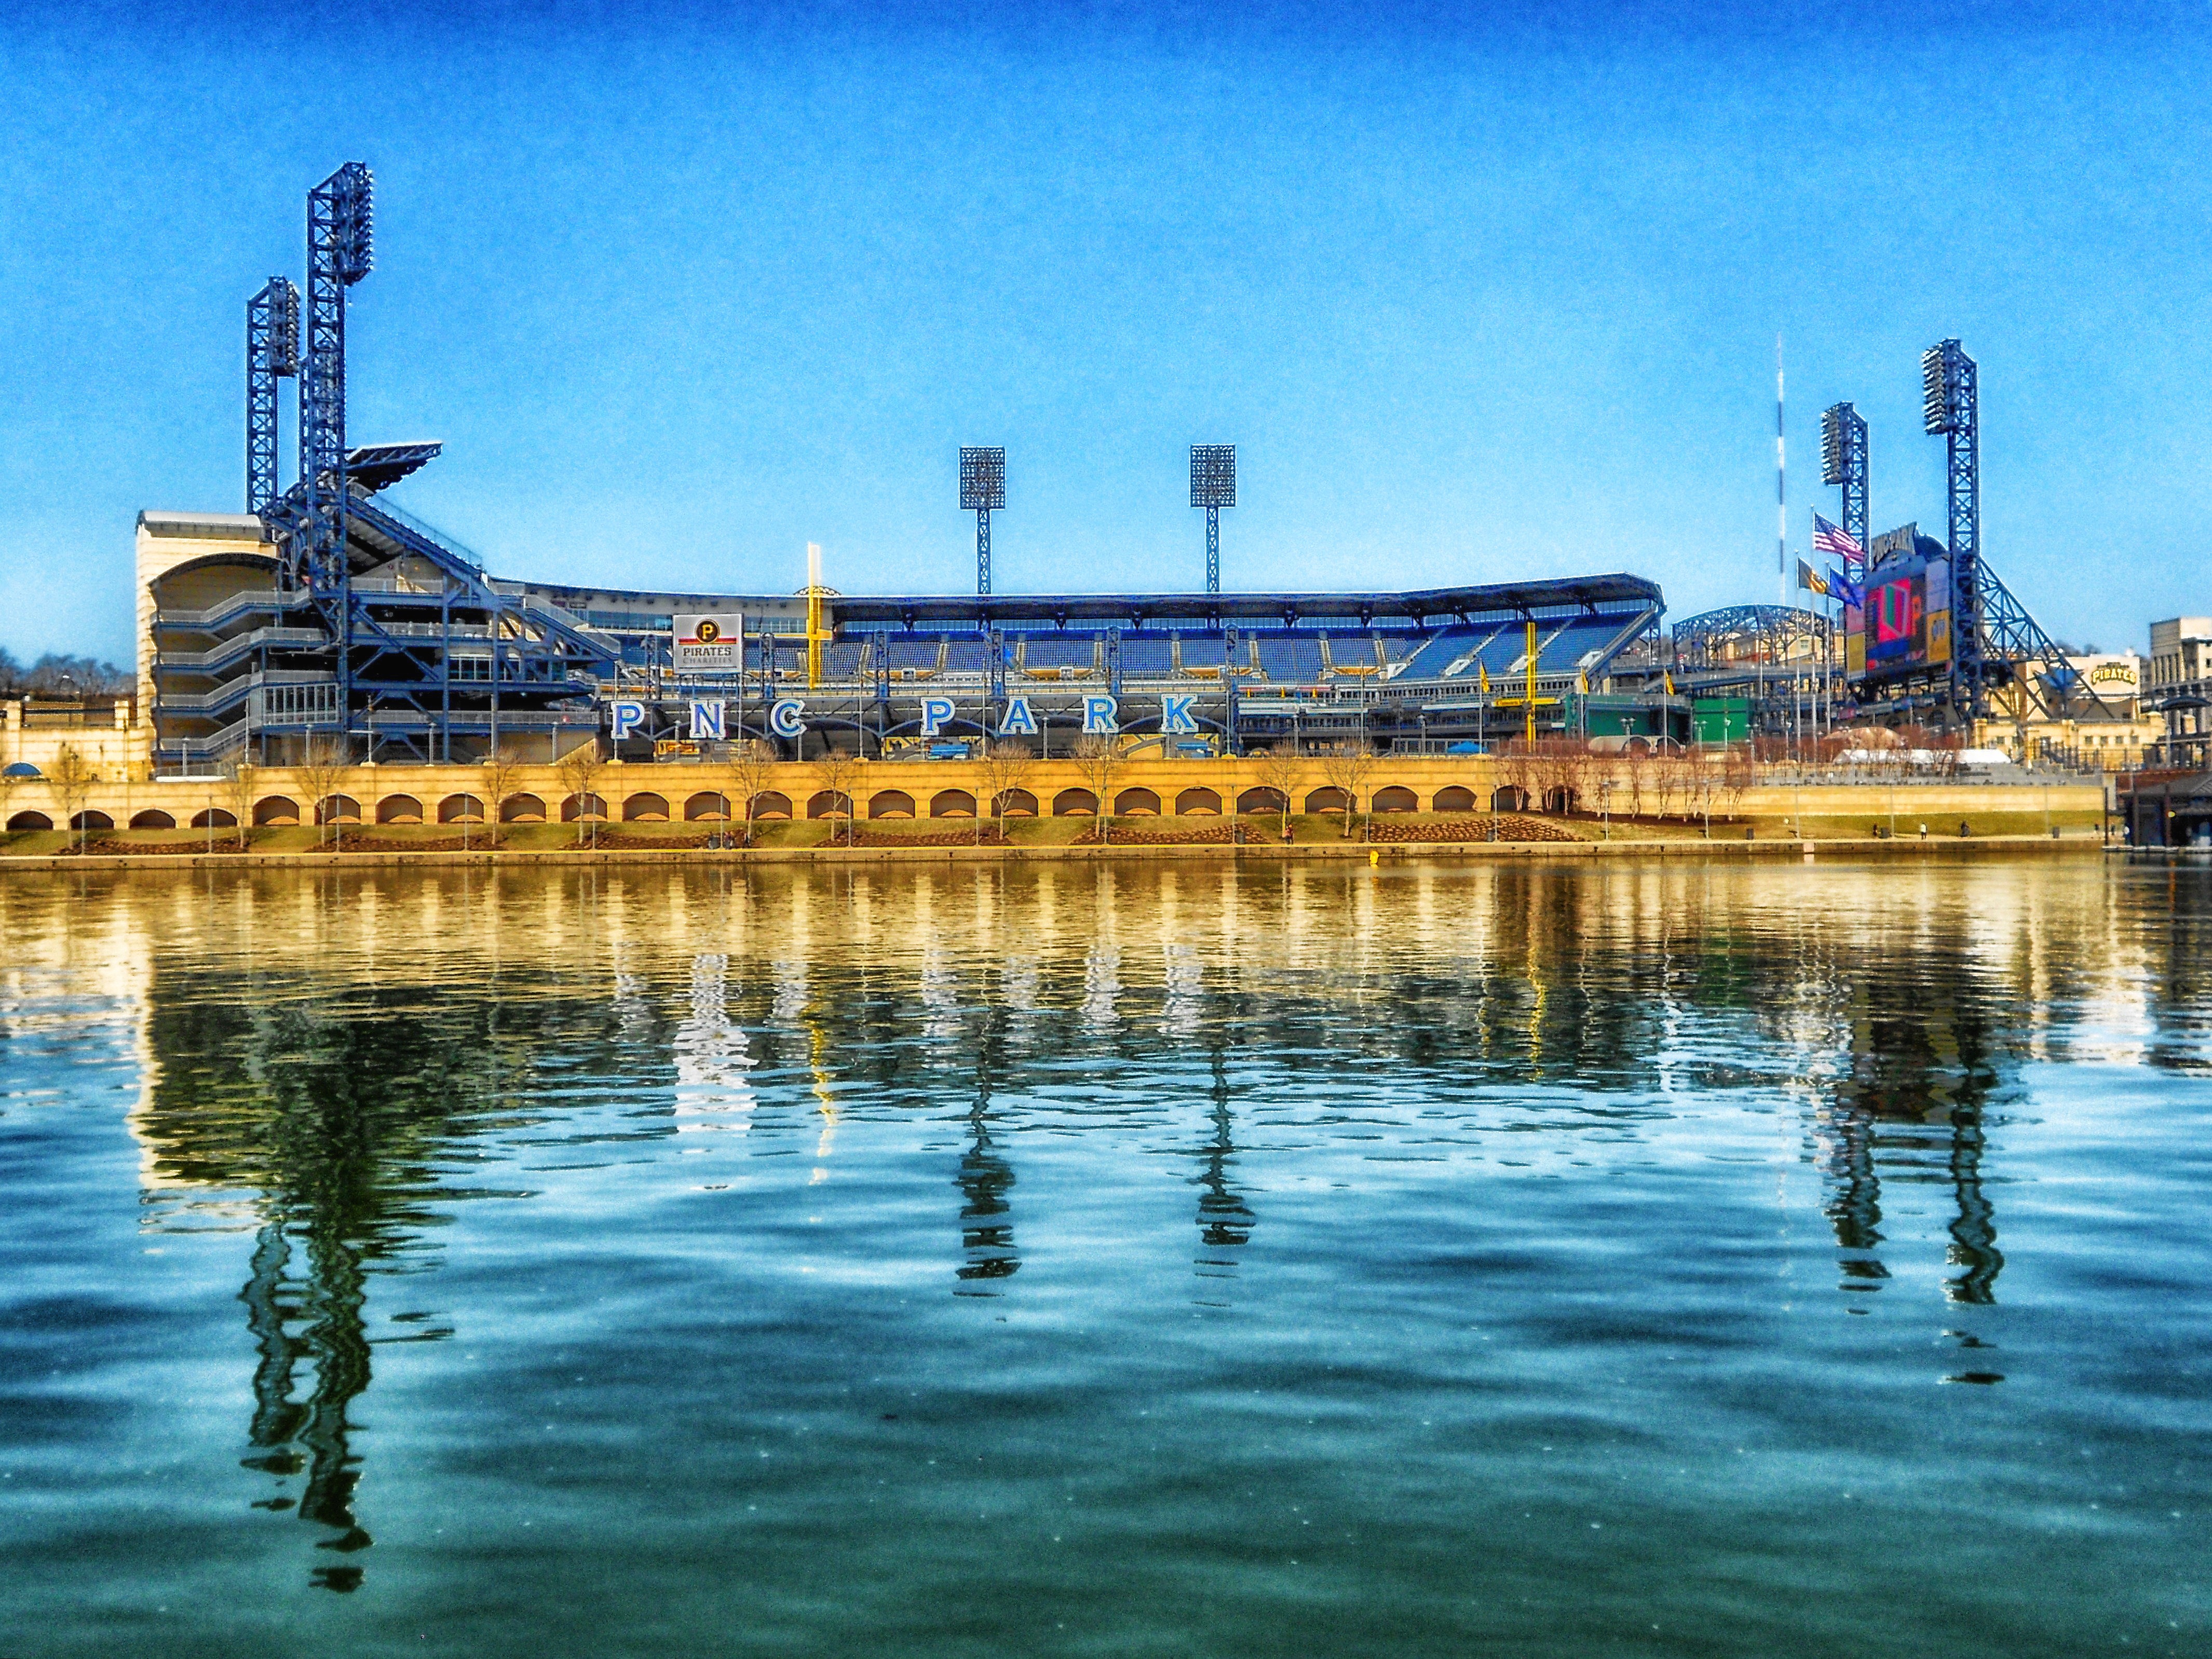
(272, 353)
(1950, 405)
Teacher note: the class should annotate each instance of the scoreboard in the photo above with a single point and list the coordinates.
(1903, 625)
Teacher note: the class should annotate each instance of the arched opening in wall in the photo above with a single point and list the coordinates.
(1074, 804)
(1331, 800)
(23, 821)
(890, 804)
(399, 809)
(215, 819)
(152, 818)
(1198, 804)
(771, 803)
(952, 804)
(1261, 800)
(584, 809)
(645, 807)
(522, 808)
(1508, 797)
(707, 807)
(337, 808)
(92, 818)
(1561, 799)
(1395, 798)
(1136, 804)
(1016, 804)
(20, 770)
(1455, 799)
(276, 809)
(461, 809)
(829, 804)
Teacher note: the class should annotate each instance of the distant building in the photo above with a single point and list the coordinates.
(2098, 718)
(2178, 683)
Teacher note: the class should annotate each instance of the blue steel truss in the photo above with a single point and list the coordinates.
(272, 353)
(408, 662)
(1950, 405)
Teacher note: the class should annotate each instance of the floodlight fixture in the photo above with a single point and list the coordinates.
(353, 189)
(1213, 486)
(1831, 443)
(982, 487)
(1945, 372)
(983, 479)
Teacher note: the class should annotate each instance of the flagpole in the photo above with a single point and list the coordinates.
(1780, 491)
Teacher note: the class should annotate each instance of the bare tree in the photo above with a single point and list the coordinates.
(501, 771)
(1346, 767)
(752, 763)
(1636, 771)
(579, 771)
(1739, 773)
(72, 777)
(1281, 768)
(1097, 758)
(1006, 767)
(1516, 770)
(321, 770)
(237, 792)
(839, 773)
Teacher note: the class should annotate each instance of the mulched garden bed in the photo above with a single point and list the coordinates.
(991, 837)
(1506, 826)
(1214, 835)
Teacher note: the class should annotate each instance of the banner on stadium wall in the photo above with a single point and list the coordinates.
(710, 642)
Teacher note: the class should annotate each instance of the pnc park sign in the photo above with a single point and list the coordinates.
(787, 716)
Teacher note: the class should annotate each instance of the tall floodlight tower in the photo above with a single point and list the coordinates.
(272, 353)
(1781, 491)
(1950, 405)
(339, 253)
(1844, 464)
(982, 489)
(1213, 486)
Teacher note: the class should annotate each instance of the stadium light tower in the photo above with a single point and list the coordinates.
(982, 487)
(1213, 486)
(1843, 463)
(272, 353)
(339, 255)
(1951, 406)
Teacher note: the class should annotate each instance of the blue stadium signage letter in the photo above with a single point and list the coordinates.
(707, 721)
(935, 711)
(626, 718)
(1098, 715)
(1017, 722)
(1176, 715)
(783, 717)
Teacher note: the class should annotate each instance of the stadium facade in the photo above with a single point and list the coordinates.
(424, 657)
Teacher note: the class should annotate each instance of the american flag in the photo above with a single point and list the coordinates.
(1834, 539)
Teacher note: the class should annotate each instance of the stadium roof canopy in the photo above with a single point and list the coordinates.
(380, 466)
(1016, 611)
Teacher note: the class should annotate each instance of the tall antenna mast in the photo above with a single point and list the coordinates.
(1781, 491)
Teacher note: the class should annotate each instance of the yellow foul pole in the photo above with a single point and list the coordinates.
(813, 614)
(1528, 704)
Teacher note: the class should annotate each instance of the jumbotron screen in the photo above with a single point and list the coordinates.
(1906, 624)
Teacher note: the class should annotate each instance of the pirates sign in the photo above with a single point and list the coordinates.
(710, 644)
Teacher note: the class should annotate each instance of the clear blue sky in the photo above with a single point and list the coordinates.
(1478, 294)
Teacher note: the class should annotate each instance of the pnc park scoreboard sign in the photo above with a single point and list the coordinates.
(710, 642)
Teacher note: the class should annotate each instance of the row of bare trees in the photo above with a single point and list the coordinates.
(1637, 781)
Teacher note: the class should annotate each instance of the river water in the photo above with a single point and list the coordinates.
(1138, 1259)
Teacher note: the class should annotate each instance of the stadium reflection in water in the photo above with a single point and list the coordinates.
(1435, 1105)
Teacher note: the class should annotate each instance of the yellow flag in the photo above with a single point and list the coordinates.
(1667, 680)
(1485, 673)
(1581, 681)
